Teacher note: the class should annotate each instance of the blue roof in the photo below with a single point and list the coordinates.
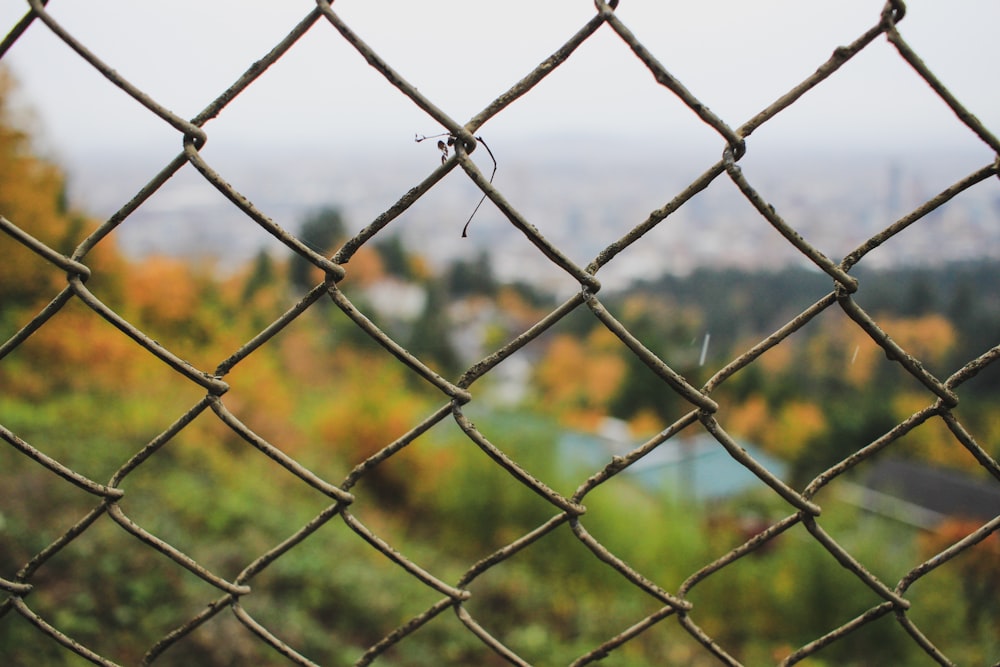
(698, 467)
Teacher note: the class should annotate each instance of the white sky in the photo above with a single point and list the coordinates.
(736, 56)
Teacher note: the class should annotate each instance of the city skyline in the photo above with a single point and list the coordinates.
(585, 155)
(579, 203)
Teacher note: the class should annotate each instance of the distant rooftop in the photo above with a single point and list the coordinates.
(927, 493)
(697, 467)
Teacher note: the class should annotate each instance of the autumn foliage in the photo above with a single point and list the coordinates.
(323, 392)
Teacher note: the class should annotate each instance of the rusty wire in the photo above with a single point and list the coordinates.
(570, 510)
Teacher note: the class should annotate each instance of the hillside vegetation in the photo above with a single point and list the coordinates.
(86, 395)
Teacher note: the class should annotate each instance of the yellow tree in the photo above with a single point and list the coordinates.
(31, 198)
(579, 379)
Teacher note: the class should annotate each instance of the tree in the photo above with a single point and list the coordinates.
(395, 258)
(320, 231)
(431, 340)
(471, 278)
(920, 298)
(641, 389)
(261, 275)
(31, 197)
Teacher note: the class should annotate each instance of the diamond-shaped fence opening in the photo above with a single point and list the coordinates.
(176, 538)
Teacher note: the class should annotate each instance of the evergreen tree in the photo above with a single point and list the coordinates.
(320, 231)
(394, 257)
(30, 198)
(470, 278)
(430, 340)
(261, 275)
(920, 298)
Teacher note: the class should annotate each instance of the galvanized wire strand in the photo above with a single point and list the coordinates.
(969, 442)
(182, 559)
(769, 213)
(385, 549)
(467, 141)
(65, 263)
(160, 440)
(625, 570)
(514, 547)
(676, 381)
(130, 206)
(954, 550)
(18, 30)
(206, 380)
(896, 353)
(536, 75)
(770, 342)
(14, 587)
(942, 92)
(272, 330)
(586, 280)
(706, 640)
(492, 642)
(869, 450)
(25, 611)
(344, 254)
(39, 559)
(750, 545)
(193, 132)
(403, 631)
(852, 564)
(841, 632)
(735, 143)
(460, 395)
(733, 448)
(619, 463)
(54, 466)
(657, 216)
(605, 649)
(512, 467)
(268, 638)
(189, 626)
(333, 271)
(482, 367)
(916, 214)
(840, 56)
(278, 456)
(37, 321)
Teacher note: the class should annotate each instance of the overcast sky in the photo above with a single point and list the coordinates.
(736, 56)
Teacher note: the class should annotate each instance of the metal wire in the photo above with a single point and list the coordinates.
(456, 396)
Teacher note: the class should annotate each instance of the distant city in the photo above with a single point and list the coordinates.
(581, 199)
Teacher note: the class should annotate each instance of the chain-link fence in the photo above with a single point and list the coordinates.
(674, 606)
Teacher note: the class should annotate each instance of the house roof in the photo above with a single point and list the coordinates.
(696, 467)
(943, 492)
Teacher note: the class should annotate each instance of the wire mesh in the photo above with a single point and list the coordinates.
(566, 512)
